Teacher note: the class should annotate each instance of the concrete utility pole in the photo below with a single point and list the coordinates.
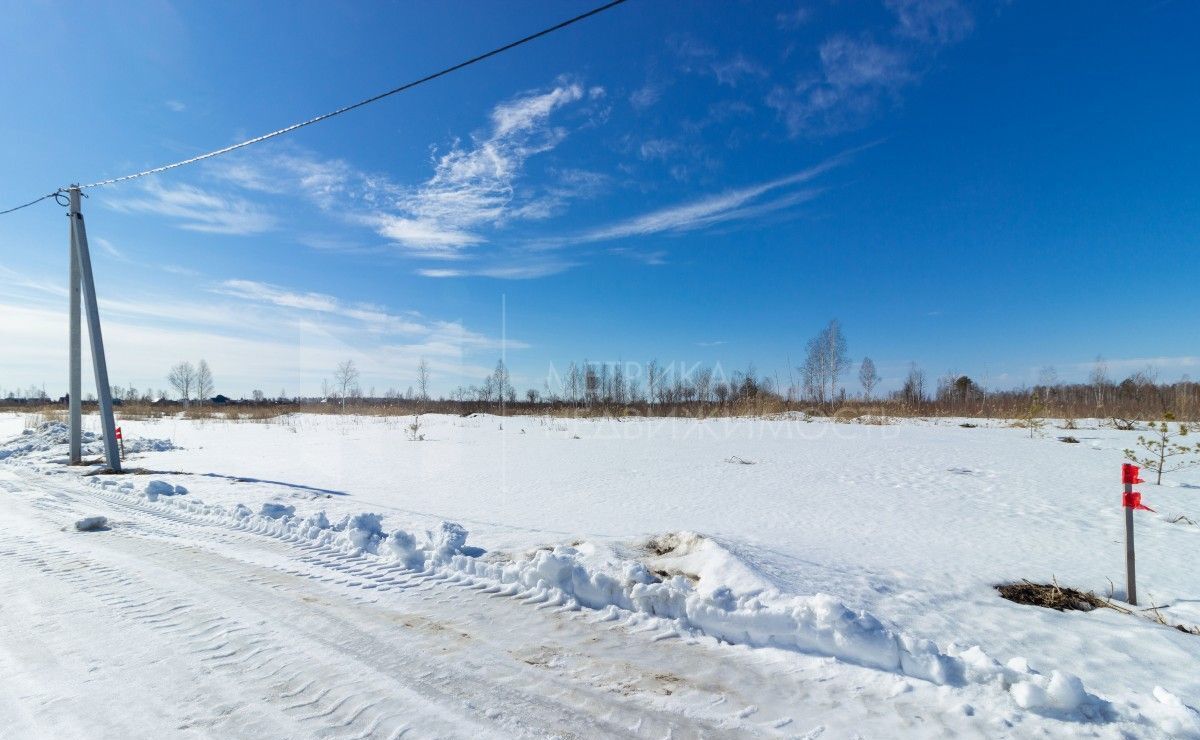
(75, 399)
(81, 277)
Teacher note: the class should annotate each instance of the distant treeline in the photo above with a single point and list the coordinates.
(826, 384)
(742, 394)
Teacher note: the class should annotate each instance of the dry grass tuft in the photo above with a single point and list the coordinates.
(1051, 596)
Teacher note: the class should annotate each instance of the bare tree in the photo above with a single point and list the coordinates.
(183, 379)
(1047, 380)
(204, 382)
(573, 383)
(1099, 379)
(703, 382)
(653, 380)
(500, 384)
(825, 363)
(423, 379)
(913, 390)
(345, 378)
(868, 377)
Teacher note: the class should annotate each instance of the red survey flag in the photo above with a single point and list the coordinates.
(119, 433)
(1133, 500)
(1129, 474)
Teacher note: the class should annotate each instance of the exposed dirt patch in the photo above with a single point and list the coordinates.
(667, 574)
(1051, 596)
(662, 544)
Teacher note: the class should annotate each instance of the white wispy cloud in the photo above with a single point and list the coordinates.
(519, 268)
(475, 186)
(197, 210)
(375, 317)
(937, 22)
(735, 204)
(476, 189)
(654, 258)
(646, 95)
(857, 75)
(731, 71)
(658, 148)
(286, 171)
(792, 19)
(696, 57)
(108, 247)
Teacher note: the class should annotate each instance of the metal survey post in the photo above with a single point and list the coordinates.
(1131, 501)
(82, 269)
(1130, 566)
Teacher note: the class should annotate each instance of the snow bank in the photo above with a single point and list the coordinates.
(819, 624)
(689, 583)
(714, 593)
(55, 434)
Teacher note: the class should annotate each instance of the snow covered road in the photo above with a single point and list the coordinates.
(163, 623)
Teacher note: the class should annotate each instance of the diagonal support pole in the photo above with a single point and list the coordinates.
(88, 286)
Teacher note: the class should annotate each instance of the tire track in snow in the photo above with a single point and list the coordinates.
(213, 640)
(573, 687)
(220, 644)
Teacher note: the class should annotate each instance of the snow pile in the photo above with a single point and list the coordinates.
(43, 439)
(711, 592)
(142, 444)
(91, 523)
(354, 534)
(156, 488)
(276, 511)
(1172, 715)
(55, 434)
(819, 624)
(696, 599)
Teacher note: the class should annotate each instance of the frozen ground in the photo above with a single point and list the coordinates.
(616, 578)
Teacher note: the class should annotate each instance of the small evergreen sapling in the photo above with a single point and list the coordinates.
(1162, 447)
(1033, 417)
(414, 430)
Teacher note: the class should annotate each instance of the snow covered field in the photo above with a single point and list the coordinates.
(588, 577)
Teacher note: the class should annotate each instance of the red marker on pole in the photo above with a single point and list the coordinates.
(121, 441)
(1131, 501)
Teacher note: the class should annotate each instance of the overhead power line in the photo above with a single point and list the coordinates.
(339, 111)
(35, 200)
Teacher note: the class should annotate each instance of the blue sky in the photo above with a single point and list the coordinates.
(979, 187)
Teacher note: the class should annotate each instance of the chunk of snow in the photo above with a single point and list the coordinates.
(1173, 716)
(156, 488)
(446, 540)
(91, 523)
(365, 531)
(402, 547)
(276, 511)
